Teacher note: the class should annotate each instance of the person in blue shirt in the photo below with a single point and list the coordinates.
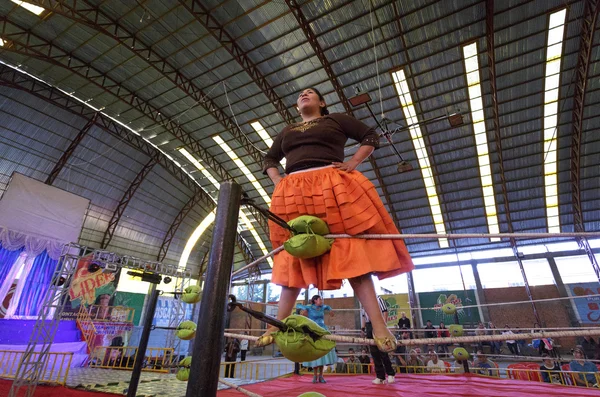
(316, 312)
(589, 375)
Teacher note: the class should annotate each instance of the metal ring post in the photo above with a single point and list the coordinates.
(208, 344)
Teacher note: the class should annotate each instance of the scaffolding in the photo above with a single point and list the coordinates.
(36, 354)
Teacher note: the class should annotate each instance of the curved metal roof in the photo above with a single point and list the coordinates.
(181, 73)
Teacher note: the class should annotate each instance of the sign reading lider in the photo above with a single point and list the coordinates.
(587, 305)
(85, 283)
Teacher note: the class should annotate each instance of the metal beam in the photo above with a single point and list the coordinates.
(10, 77)
(69, 151)
(127, 196)
(218, 31)
(312, 39)
(489, 20)
(588, 24)
(23, 41)
(87, 13)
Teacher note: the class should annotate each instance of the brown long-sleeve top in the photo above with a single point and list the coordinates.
(318, 142)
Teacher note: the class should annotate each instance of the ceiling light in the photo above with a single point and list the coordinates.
(479, 130)
(243, 168)
(554, 47)
(410, 115)
(29, 7)
(264, 135)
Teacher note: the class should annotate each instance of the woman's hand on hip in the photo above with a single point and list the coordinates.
(349, 165)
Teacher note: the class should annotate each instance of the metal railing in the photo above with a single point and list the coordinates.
(262, 370)
(54, 370)
(121, 314)
(86, 326)
(123, 357)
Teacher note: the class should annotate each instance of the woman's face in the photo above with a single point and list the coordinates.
(318, 301)
(309, 99)
(104, 300)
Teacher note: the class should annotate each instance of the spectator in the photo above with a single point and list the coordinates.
(589, 347)
(435, 365)
(429, 334)
(414, 362)
(480, 331)
(365, 360)
(495, 346)
(400, 356)
(442, 333)
(243, 348)
(352, 363)
(482, 365)
(512, 344)
(232, 348)
(544, 345)
(550, 370)
(403, 322)
(589, 371)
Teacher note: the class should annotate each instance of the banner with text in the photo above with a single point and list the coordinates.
(587, 305)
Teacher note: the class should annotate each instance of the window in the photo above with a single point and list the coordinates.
(443, 279)
(500, 275)
(575, 269)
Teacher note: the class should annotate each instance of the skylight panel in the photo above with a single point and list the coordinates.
(554, 46)
(426, 172)
(264, 135)
(478, 122)
(243, 216)
(185, 255)
(243, 168)
(254, 233)
(29, 7)
(200, 167)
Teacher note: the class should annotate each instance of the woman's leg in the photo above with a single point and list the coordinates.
(365, 291)
(321, 379)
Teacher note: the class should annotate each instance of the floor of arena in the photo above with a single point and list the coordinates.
(410, 385)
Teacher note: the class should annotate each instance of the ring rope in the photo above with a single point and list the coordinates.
(431, 236)
(461, 307)
(257, 261)
(395, 328)
(238, 388)
(450, 340)
(463, 235)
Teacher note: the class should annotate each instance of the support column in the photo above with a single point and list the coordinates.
(485, 313)
(527, 288)
(562, 292)
(412, 300)
(208, 344)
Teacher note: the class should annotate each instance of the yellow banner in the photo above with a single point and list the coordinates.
(397, 303)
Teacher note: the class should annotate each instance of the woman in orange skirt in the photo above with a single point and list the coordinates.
(319, 182)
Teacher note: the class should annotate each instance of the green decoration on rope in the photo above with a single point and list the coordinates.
(307, 246)
(309, 224)
(186, 330)
(296, 344)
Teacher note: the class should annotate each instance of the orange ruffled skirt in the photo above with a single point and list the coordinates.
(350, 204)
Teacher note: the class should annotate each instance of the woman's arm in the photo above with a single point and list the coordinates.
(274, 174)
(361, 154)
